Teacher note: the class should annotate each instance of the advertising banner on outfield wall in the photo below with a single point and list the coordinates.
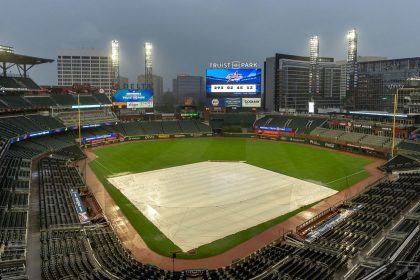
(166, 136)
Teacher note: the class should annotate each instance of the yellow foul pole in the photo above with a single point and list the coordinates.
(78, 113)
(393, 125)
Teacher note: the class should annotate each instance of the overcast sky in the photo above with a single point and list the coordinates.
(189, 34)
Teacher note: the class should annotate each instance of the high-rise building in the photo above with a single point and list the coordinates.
(351, 68)
(380, 80)
(85, 67)
(123, 82)
(189, 89)
(157, 86)
(286, 80)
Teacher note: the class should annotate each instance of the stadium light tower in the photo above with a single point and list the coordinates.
(313, 65)
(148, 63)
(115, 60)
(351, 66)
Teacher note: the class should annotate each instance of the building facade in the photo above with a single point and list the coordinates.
(85, 67)
(286, 80)
(157, 85)
(380, 80)
(123, 82)
(189, 90)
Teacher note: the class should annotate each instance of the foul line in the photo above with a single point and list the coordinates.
(100, 164)
(358, 172)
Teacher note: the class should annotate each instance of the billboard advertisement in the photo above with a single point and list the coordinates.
(270, 131)
(251, 102)
(99, 138)
(215, 102)
(233, 88)
(133, 98)
(80, 208)
(224, 102)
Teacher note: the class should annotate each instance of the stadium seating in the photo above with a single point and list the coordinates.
(203, 127)
(67, 249)
(380, 203)
(102, 98)
(355, 137)
(31, 102)
(56, 181)
(300, 124)
(352, 137)
(3, 106)
(64, 100)
(410, 146)
(133, 128)
(152, 127)
(70, 250)
(15, 102)
(14, 191)
(18, 83)
(171, 127)
(70, 118)
(87, 100)
(401, 162)
(188, 127)
(41, 101)
(374, 140)
(328, 133)
(45, 122)
(232, 121)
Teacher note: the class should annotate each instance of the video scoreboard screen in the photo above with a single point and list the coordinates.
(233, 88)
(133, 98)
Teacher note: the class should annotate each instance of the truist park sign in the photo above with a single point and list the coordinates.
(233, 65)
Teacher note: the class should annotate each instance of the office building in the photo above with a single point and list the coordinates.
(85, 67)
(286, 81)
(380, 80)
(157, 85)
(189, 90)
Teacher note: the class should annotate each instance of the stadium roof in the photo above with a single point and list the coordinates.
(8, 57)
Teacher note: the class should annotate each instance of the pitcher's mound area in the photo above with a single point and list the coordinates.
(196, 204)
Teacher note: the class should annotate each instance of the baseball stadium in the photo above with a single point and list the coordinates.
(90, 189)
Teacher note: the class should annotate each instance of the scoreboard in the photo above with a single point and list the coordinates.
(133, 98)
(233, 87)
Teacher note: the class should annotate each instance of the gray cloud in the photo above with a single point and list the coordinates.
(188, 34)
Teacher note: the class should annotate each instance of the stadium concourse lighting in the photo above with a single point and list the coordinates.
(148, 64)
(115, 60)
(148, 53)
(352, 45)
(313, 61)
(7, 49)
(351, 35)
(115, 48)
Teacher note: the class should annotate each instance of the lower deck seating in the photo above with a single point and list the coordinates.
(56, 181)
(14, 203)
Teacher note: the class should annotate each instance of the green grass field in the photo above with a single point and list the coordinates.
(335, 170)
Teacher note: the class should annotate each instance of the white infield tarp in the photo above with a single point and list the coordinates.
(196, 204)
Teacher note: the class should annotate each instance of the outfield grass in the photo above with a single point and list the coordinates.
(335, 170)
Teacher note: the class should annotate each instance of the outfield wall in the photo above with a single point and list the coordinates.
(303, 139)
(321, 142)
